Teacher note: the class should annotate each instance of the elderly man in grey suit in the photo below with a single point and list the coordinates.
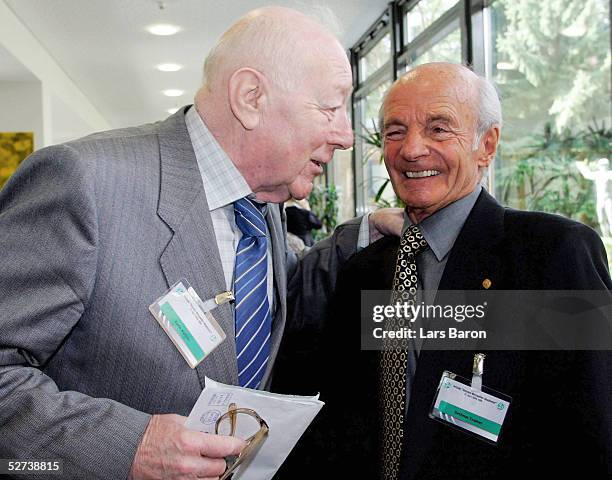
(93, 231)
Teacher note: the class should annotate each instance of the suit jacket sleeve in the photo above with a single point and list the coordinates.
(49, 238)
(312, 283)
(586, 395)
(581, 253)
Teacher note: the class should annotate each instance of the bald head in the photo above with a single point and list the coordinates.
(468, 88)
(274, 98)
(271, 40)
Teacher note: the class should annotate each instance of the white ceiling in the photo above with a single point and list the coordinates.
(13, 71)
(102, 45)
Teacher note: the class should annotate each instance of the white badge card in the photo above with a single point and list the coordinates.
(479, 412)
(188, 321)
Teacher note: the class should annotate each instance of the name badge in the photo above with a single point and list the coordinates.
(468, 406)
(189, 321)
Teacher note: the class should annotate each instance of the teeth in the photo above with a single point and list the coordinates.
(422, 174)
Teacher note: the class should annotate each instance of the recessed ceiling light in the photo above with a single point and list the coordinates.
(173, 92)
(169, 67)
(163, 29)
(172, 111)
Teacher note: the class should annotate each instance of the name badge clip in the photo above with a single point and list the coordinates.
(469, 406)
(189, 321)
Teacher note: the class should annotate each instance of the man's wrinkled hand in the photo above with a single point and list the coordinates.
(386, 221)
(170, 450)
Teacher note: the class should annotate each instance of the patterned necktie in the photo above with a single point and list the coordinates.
(395, 356)
(253, 318)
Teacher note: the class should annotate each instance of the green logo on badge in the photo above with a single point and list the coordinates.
(447, 384)
(500, 406)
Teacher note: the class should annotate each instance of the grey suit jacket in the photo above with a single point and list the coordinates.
(92, 232)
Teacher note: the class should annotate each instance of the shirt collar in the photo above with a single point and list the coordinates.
(223, 183)
(442, 228)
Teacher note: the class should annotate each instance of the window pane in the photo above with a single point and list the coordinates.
(375, 58)
(553, 72)
(423, 15)
(343, 176)
(448, 49)
(369, 151)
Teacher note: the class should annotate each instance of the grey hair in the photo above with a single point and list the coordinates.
(259, 41)
(488, 109)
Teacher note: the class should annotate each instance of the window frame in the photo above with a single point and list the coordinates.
(392, 21)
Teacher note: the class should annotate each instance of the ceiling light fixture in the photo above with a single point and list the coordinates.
(169, 67)
(163, 29)
(172, 111)
(173, 92)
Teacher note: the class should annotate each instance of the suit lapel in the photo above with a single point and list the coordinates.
(277, 237)
(192, 252)
(474, 257)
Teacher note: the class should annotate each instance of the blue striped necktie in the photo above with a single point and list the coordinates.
(253, 318)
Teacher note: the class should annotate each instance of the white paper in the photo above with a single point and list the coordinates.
(287, 416)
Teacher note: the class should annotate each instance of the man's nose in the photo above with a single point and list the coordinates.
(414, 145)
(343, 133)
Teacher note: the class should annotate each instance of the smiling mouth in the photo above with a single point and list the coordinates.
(422, 174)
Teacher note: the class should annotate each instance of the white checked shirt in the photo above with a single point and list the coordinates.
(223, 185)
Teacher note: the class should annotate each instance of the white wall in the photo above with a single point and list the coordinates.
(23, 110)
(18, 42)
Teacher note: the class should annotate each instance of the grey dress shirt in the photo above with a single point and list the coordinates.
(440, 229)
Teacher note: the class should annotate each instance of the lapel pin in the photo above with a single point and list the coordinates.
(486, 283)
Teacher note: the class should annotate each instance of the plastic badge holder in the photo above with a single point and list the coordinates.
(478, 412)
(188, 321)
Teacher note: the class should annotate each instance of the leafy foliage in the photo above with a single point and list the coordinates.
(324, 204)
(543, 176)
(373, 138)
(559, 51)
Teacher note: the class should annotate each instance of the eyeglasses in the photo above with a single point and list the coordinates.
(252, 429)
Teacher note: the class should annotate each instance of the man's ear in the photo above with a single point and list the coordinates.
(488, 146)
(246, 92)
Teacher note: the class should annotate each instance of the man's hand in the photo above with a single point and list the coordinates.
(386, 221)
(170, 450)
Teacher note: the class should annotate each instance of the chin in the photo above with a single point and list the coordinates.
(300, 190)
(416, 200)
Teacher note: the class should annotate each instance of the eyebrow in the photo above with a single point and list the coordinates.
(440, 116)
(393, 122)
(431, 117)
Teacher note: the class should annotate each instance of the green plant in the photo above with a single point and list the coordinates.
(373, 139)
(543, 176)
(323, 202)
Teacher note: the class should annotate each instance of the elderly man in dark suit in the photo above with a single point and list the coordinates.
(441, 125)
